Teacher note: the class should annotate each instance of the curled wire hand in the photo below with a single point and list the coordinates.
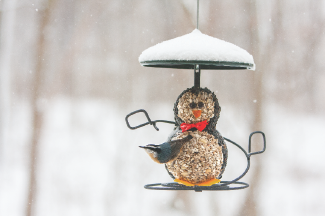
(153, 123)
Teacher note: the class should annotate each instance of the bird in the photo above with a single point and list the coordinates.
(167, 151)
(195, 153)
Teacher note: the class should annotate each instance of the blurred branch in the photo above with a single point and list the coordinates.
(44, 16)
(313, 33)
(188, 13)
(77, 38)
(249, 207)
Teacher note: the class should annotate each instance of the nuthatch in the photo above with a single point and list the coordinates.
(167, 151)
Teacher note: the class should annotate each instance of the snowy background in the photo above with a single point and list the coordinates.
(69, 74)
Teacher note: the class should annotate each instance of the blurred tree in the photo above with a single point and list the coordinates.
(44, 20)
(312, 32)
(250, 205)
(7, 20)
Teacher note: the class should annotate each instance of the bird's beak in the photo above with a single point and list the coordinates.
(196, 113)
(152, 148)
(148, 147)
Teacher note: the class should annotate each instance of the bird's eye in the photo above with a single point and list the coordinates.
(192, 105)
(200, 104)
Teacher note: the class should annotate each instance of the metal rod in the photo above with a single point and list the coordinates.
(197, 74)
(197, 14)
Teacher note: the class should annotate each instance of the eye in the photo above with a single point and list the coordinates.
(201, 104)
(192, 105)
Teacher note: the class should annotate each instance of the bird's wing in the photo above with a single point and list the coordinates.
(176, 146)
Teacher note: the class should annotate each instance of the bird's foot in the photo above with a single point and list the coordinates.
(209, 183)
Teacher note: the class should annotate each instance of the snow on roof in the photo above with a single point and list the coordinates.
(196, 46)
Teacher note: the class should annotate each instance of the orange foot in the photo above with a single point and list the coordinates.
(207, 183)
(183, 182)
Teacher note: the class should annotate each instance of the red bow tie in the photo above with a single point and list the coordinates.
(200, 126)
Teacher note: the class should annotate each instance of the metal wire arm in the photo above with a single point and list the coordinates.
(223, 185)
(153, 123)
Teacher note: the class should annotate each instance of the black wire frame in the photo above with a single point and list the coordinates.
(223, 185)
(215, 187)
(153, 123)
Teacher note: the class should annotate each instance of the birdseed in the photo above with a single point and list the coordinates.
(200, 159)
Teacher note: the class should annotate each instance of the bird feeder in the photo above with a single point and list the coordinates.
(196, 153)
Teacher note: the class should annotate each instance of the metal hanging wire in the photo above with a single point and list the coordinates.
(197, 14)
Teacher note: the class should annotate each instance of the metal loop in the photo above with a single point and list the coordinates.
(250, 142)
(246, 154)
(153, 123)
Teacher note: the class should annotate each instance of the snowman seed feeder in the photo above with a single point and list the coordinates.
(195, 155)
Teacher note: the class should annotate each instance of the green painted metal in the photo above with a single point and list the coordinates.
(205, 65)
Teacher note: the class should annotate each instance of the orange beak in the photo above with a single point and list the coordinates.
(196, 113)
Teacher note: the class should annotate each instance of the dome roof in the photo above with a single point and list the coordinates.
(196, 48)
